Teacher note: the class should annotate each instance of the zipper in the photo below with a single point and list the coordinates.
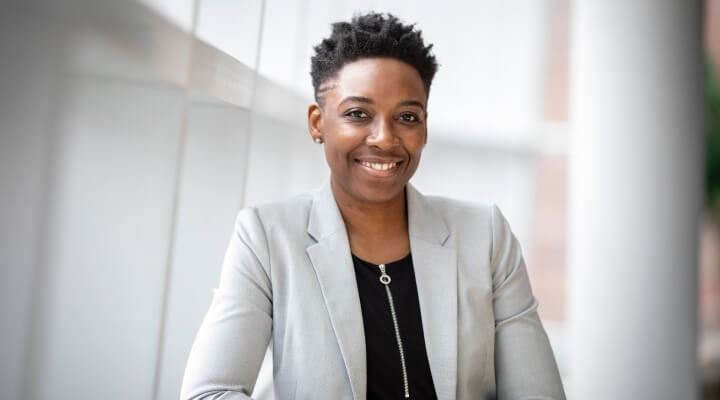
(385, 280)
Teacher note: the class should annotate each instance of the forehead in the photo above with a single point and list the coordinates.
(378, 79)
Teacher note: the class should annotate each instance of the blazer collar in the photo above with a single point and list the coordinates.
(423, 220)
(436, 279)
(325, 217)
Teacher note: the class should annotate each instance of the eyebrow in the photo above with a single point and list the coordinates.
(361, 99)
(412, 103)
(358, 99)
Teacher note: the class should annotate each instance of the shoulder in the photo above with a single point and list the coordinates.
(461, 212)
(480, 232)
(472, 223)
(288, 212)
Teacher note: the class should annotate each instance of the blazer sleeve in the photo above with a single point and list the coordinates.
(525, 367)
(229, 348)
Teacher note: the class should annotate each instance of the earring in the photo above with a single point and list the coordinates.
(318, 140)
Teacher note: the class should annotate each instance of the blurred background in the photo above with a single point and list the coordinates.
(132, 132)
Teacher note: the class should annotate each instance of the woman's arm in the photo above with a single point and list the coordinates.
(525, 367)
(229, 348)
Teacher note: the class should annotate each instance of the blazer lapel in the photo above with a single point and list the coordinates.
(436, 274)
(333, 266)
(436, 279)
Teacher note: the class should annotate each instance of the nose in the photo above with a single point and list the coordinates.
(382, 135)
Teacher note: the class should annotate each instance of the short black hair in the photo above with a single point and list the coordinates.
(367, 36)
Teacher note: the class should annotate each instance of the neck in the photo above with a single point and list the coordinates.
(372, 218)
(377, 231)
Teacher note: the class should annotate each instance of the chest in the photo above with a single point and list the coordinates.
(318, 321)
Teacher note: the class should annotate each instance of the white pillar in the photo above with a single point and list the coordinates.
(635, 194)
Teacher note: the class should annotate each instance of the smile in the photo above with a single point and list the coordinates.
(379, 166)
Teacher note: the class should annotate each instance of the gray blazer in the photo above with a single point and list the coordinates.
(288, 277)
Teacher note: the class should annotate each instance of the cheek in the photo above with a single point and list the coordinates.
(336, 156)
(415, 144)
(343, 140)
(416, 152)
(415, 161)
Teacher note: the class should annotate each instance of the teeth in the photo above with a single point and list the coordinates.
(379, 166)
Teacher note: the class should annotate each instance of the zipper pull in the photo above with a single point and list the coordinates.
(384, 277)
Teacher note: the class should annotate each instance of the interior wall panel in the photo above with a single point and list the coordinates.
(211, 191)
(284, 161)
(29, 93)
(108, 235)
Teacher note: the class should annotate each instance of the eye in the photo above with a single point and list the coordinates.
(357, 114)
(409, 117)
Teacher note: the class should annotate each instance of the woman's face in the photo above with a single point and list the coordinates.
(373, 122)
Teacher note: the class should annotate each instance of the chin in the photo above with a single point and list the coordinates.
(380, 194)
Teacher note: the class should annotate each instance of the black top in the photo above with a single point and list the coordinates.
(384, 368)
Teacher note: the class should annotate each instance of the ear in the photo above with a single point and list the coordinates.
(315, 120)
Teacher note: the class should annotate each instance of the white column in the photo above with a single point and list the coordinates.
(635, 194)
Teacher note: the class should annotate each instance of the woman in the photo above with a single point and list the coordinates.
(367, 288)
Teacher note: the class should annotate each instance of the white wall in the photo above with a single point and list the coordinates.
(25, 148)
(106, 240)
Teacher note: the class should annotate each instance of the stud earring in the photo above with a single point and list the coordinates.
(318, 140)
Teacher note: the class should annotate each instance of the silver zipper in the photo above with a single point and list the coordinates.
(385, 280)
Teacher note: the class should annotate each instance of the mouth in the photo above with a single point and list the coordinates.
(380, 168)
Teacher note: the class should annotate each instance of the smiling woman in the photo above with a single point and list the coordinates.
(368, 289)
(373, 121)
